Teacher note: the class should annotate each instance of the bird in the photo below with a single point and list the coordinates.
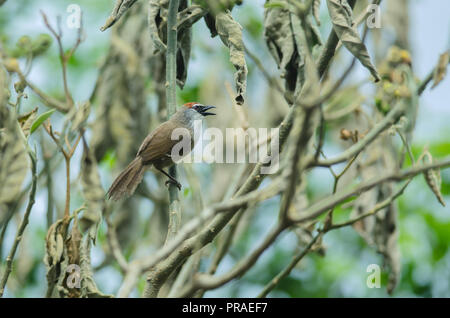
(156, 150)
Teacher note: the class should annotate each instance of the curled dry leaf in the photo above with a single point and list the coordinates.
(341, 17)
(230, 33)
(54, 259)
(184, 48)
(73, 245)
(309, 91)
(281, 32)
(62, 253)
(155, 17)
(433, 178)
(189, 16)
(281, 43)
(74, 240)
(157, 24)
(119, 9)
(210, 23)
(441, 69)
(26, 120)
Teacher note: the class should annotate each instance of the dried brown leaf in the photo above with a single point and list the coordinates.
(433, 178)
(119, 9)
(230, 33)
(441, 69)
(341, 17)
(26, 120)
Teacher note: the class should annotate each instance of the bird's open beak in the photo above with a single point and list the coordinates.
(204, 110)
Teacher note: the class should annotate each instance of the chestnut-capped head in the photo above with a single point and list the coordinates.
(199, 108)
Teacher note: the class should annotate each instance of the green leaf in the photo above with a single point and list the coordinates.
(41, 118)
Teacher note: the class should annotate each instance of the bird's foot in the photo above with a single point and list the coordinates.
(174, 182)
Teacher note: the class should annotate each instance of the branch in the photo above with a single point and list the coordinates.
(48, 100)
(68, 154)
(423, 85)
(130, 280)
(272, 81)
(177, 250)
(285, 272)
(114, 245)
(379, 206)
(64, 58)
(23, 224)
(327, 54)
(328, 203)
(224, 207)
(392, 117)
(171, 95)
(206, 281)
(189, 16)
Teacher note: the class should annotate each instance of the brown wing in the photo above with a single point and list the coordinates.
(158, 143)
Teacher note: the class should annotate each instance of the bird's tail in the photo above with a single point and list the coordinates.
(127, 181)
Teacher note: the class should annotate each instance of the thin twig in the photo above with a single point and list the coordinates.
(320, 207)
(272, 81)
(23, 224)
(114, 245)
(205, 281)
(49, 179)
(68, 154)
(48, 100)
(329, 219)
(285, 272)
(379, 206)
(62, 56)
(398, 111)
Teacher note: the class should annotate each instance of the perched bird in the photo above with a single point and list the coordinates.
(156, 150)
